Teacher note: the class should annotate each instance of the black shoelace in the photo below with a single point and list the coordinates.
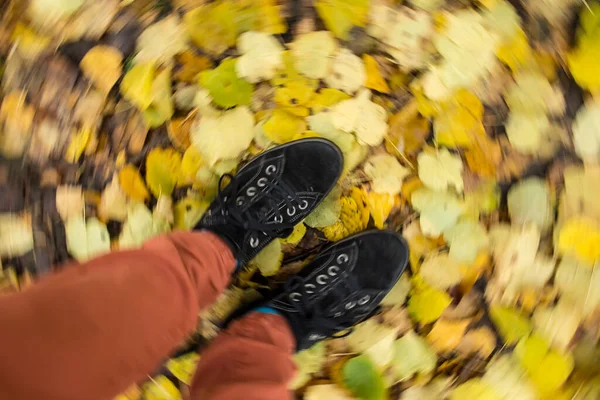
(313, 317)
(252, 218)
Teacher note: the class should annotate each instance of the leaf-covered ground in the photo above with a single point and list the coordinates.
(471, 126)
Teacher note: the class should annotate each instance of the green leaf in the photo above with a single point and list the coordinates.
(363, 380)
(225, 87)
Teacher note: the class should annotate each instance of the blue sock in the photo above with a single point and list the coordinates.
(266, 310)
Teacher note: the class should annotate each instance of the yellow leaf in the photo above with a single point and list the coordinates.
(160, 388)
(261, 56)
(29, 44)
(412, 355)
(516, 53)
(163, 167)
(295, 94)
(446, 335)
(268, 260)
(474, 389)
(184, 367)
(102, 66)
(17, 120)
(188, 211)
(547, 368)
(132, 183)
(380, 206)
(296, 236)
(136, 86)
(427, 304)
(282, 126)
(326, 98)
(510, 323)
(459, 121)
(16, 234)
(78, 144)
(179, 131)
(580, 238)
(212, 26)
(408, 131)
(308, 362)
(113, 203)
(162, 107)
(190, 164)
(374, 79)
(340, 16)
(440, 271)
(354, 216)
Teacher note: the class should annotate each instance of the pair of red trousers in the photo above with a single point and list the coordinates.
(91, 330)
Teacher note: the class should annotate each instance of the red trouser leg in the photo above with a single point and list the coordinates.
(91, 330)
(249, 361)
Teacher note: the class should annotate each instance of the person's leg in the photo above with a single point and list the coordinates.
(251, 360)
(343, 285)
(92, 330)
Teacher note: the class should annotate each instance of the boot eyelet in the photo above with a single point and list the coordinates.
(295, 296)
(278, 219)
(310, 286)
(303, 205)
(364, 300)
(343, 258)
(224, 213)
(271, 169)
(322, 279)
(333, 270)
(253, 242)
(251, 191)
(240, 201)
(351, 305)
(291, 213)
(262, 182)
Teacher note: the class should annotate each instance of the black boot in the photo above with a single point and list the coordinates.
(271, 194)
(341, 287)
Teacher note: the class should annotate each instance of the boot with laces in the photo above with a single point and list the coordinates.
(271, 194)
(341, 287)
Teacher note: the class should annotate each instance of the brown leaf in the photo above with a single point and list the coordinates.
(191, 65)
(480, 341)
(179, 131)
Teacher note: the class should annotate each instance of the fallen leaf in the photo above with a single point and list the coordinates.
(16, 234)
(474, 389)
(363, 380)
(223, 137)
(268, 261)
(466, 239)
(440, 271)
(529, 202)
(308, 362)
(113, 202)
(163, 168)
(102, 66)
(312, 53)
(557, 324)
(380, 206)
(512, 325)
(261, 56)
(161, 41)
(225, 86)
(212, 26)
(446, 335)
(374, 79)
(133, 184)
(325, 392)
(340, 16)
(136, 86)
(184, 367)
(86, 239)
(426, 304)
(439, 210)
(347, 72)
(412, 355)
(441, 170)
(579, 237)
(160, 388)
(386, 173)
